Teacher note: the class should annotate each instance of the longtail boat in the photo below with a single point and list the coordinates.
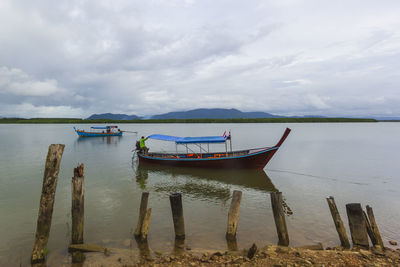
(100, 131)
(255, 158)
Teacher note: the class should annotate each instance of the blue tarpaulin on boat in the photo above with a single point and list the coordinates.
(189, 140)
(103, 127)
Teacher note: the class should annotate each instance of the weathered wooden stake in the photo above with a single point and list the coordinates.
(86, 248)
(142, 213)
(341, 230)
(143, 247)
(177, 215)
(49, 186)
(317, 246)
(357, 224)
(232, 244)
(145, 225)
(179, 247)
(369, 229)
(252, 251)
(233, 215)
(279, 216)
(374, 227)
(78, 198)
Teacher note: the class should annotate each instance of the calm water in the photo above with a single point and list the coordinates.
(352, 162)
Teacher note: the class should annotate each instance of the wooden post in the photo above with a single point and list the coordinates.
(233, 218)
(358, 227)
(374, 227)
(49, 186)
(77, 211)
(142, 213)
(177, 215)
(145, 225)
(279, 216)
(143, 246)
(179, 247)
(233, 215)
(252, 251)
(232, 244)
(369, 229)
(341, 230)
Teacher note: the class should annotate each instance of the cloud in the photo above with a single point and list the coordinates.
(45, 88)
(135, 57)
(27, 110)
(16, 82)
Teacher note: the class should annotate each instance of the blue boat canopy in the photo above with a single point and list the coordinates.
(103, 127)
(189, 140)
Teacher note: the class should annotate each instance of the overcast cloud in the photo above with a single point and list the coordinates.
(287, 57)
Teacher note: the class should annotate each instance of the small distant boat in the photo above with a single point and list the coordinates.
(255, 158)
(100, 131)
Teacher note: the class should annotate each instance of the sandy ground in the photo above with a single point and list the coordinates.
(267, 256)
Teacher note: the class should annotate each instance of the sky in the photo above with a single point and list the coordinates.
(288, 57)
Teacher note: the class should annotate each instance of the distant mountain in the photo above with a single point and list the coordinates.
(110, 116)
(213, 113)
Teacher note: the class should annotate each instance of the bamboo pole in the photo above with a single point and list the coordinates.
(341, 230)
(357, 224)
(279, 216)
(233, 215)
(374, 227)
(78, 198)
(177, 215)
(142, 213)
(49, 186)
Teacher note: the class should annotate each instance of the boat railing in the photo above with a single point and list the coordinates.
(174, 155)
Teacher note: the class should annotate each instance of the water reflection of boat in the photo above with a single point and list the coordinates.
(203, 183)
(109, 140)
(253, 179)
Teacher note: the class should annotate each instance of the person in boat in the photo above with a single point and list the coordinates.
(142, 144)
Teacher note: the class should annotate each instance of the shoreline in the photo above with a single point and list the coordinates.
(270, 255)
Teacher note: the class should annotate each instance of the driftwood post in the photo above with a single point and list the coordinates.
(357, 224)
(179, 246)
(177, 215)
(143, 246)
(142, 213)
(232, 244)
(145, 225)
(369, 229)
(374, 227)
(233, 215)
(78, 197)
(252, 251)
(279, 216)
(341, 230)
(49, 186)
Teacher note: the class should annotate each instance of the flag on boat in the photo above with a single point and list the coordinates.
(227, 137)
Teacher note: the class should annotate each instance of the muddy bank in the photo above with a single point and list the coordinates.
(266, 256)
